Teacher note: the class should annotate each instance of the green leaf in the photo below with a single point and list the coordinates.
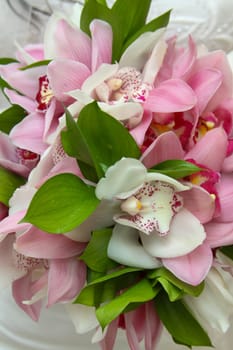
(4, 84)
(105, 288)
(152, 26)
(176, 168)
(164, 274)
(141, 292)
(180, 323)
(95, 255)
(172, 291)
(74, 144)
(97, 140)
(61, 204)
(36, 64)
(228, 251)
(9, 183)
(7, 60)
(106, 138)
(10, 117)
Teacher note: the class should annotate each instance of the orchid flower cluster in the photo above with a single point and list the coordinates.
(116, 194)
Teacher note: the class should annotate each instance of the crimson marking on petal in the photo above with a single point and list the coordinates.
(44, 94)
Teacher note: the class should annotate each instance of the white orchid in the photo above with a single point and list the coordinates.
(152, 221)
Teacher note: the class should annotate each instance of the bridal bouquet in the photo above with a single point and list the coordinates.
(116, 183)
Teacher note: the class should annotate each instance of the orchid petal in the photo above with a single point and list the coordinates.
(137, 53)
(8, 271)
(125, 175)
(72, 273)
(10, 224)
(104, 72)
(153, 327)
(22, 290)
(66, 75)
(184, 62)
(101, 33)
(210, 150)
(83, 317)
(131, 111)
(205, 83)
(28, 134)
(42, 245)
(139, 131)
(154, 63)
(225, 194)
(166, 146)
(30, 53)
(193, 267)
(23, 101)
(125, 248)
(107, 343)
(214, 305)
(64, 41)
(219, 234)
(172, 95)
(186, 234)
(200, 203)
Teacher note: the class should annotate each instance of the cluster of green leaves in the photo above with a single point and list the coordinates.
(114, 289)
(127, 18)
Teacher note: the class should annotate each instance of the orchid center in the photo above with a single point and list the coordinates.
(45, 94)
(151, 208)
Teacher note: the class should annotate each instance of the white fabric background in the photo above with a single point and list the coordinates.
(210, 21)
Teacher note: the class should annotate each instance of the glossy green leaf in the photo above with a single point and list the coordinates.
(186, 288)
(176, 168)
(36, 64)
(7, 60)
(9, 182)
(61, 204)
(10, 117)
(172, 291)
(152, 26)
(74, 144)
(106, 287)
(97, 140)
(139, 293)
(95, 255)
(180, 323)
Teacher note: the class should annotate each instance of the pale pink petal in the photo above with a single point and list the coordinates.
(172, 95)
(153, 326)
(28, 134)
(167, 146)
(184, 62)
(101, 33)
(131, 333)
(10, 224)
(22, 290)
(225, 195)
(109, 340)
(199, 202)
(186, 234)
(50, 120)
(228, 164)
(139, 131)
(8, 270)
(66, 75)
(205, 83)
(193, 267)
(42, 245)
(64, 41)
(210, 150)
(219, 234)
(36, 51)
(28, 104)
(24, 81)
(65, 279)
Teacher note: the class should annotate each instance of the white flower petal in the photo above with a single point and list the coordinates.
(125, 175)
(83, 317)
(132, 111)
(138, 52)
(178, 186)
(125, 248)
(186, 234)
(104, 72)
